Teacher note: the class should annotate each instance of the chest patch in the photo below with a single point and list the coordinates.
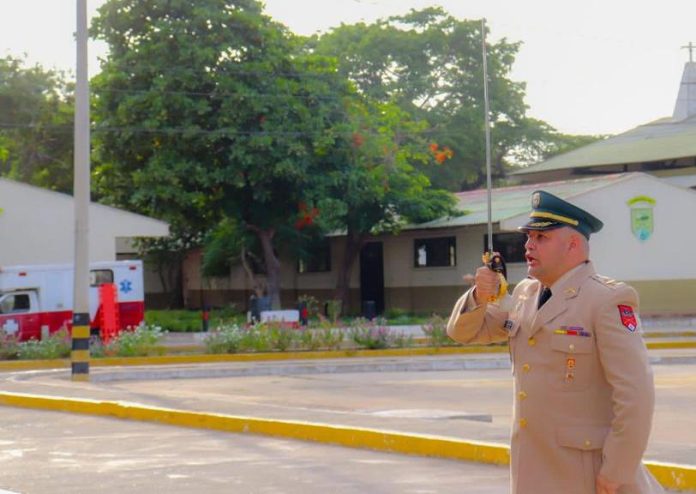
(628, 318)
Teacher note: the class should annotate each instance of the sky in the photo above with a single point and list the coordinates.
(590, 66)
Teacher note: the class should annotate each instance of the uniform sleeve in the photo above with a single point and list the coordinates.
(470, 323)
(624, 359)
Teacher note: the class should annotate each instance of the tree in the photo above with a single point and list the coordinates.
(379, 189)
(36, 126)
(430, 64)
(206, 111)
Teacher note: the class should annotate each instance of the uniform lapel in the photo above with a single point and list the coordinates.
(563, 291)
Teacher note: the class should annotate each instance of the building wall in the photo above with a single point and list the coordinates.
(662, 268)
(414, 289)
(37, 226)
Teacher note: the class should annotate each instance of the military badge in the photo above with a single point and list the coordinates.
(628, 318)
(642, 222)
(536, 199)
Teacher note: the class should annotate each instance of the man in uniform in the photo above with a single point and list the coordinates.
(583, 385)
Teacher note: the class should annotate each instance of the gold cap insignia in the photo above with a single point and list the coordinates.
(536, 199)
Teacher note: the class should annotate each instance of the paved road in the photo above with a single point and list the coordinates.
(49, 452)
(37, 448)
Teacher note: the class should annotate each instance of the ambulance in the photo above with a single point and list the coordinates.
(37, 300)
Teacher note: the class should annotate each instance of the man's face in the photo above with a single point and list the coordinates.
(546, 253)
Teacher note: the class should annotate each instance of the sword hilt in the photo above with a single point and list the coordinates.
(495, 262)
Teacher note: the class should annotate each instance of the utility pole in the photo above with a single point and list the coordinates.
(691, 47)
(81, 186)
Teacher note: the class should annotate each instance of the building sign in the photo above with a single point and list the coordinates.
(642, 219)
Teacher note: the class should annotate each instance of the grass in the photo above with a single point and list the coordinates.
(188, 321)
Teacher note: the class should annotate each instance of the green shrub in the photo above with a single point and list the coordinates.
(57, 345)
(9, 346)
(309, 339)
(224, 339)
(435, 331)
(333, 310)
(178, 321)
(280, 337)
(373, 335)
(143, 341)
(311, 303)
(255, 339)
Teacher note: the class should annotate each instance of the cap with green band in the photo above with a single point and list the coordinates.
(549, 211)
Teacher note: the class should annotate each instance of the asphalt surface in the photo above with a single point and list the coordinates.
(49, 452)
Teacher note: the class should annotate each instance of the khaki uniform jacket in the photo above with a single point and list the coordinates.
(583, 385)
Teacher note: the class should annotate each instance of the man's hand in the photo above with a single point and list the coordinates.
(606, 486)
(487, 282)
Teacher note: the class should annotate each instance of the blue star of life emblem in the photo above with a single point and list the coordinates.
(126, 286)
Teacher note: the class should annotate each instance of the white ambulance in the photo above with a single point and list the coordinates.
(37, 300)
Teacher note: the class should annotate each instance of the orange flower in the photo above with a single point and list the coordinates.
(433, 147)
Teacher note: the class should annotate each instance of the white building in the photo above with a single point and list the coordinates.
(37, 226)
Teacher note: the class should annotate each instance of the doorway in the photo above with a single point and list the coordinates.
(372, 278)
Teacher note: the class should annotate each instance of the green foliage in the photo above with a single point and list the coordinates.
(57, 345)
(206, 111)
(310, 339)
(179, 321)
(36, 137)
(143, 341)
(436, 332)
(430, 64)
(281, 337)
(376, 335)
(9, 346)
(224, 339)
(333, 310)
(311, 303)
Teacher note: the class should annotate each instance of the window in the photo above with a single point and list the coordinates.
(510, 245)
(318, 260)
(15, 303)
(98, 277)
(434, 252)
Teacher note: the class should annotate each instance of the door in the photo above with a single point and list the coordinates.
(372, 278)
(19, 316)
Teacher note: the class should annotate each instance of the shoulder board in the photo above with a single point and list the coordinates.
(607, 282)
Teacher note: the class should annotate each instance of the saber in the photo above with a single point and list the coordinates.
(486, 109)
(490, 258)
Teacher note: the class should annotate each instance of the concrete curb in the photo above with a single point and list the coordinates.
(671, 476)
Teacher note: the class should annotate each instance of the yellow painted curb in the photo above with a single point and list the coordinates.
(671, 476)
(251, 357)
(663, 345)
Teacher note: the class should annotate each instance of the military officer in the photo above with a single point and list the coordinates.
(583, 385)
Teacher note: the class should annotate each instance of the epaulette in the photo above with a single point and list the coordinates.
(607, 282)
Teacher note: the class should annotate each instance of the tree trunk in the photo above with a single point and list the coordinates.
(272, 265)
(353, 244)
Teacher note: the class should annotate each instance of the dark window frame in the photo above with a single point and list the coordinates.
(99, 277)
(446, 258)
(318, 261)
(509, 244)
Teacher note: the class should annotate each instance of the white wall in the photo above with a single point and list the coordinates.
(616, 252)
(37, 226)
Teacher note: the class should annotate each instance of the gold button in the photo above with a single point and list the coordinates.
(526, 368)
(571, 347)
(588, 443)
(522, 395)
(531, 341)
(523, 423)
